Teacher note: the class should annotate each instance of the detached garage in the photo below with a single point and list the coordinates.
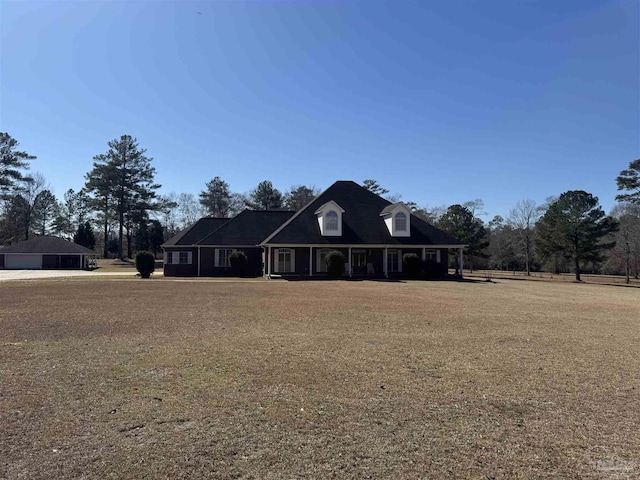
(48, 253)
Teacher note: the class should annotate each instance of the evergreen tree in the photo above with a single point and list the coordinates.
(374, 187)
(575, 226)
(45, 210)
(299, 196)
(11, 162)
(265, 197)
(125, 175)
(216, 198)
(84, 236)
(629, 180)
(459, 222)
(100, 184)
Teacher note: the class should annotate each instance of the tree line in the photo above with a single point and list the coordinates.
(119, 211)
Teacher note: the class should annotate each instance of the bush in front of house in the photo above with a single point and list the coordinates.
(335, 263)
(411, 265)
(434, 270)
(238, 262)
(145, 263)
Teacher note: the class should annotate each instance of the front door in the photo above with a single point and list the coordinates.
(359, 261)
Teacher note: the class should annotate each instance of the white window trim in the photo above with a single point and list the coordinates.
(216, 257)
(189, 258)
(399, 263)
(321, 267)
(276, 260)
(335, 216)
(400, 216)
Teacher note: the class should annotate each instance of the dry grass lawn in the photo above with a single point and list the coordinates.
(198, 379)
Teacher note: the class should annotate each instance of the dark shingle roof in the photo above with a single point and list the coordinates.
(47, 245)
(248, 228)
(196, 232)
(361, 222)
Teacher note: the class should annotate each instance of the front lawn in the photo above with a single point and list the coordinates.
(188, 379)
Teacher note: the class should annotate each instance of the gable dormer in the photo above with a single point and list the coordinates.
(329, 218)
(397, 218)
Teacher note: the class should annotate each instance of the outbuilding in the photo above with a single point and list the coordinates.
(46, 252)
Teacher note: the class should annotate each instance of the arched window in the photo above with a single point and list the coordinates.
(401, 222)
(331, 220)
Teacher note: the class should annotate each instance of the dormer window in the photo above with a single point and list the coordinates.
(329, 218)
(397, 218)
(331, 221)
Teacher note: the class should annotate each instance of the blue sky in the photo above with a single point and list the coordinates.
(440, 101)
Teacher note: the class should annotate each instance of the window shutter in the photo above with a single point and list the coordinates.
(293, 260)
(165, 257)
(276, 260)
(189, 257)
(438, 255)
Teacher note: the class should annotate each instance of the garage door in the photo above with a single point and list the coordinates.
(22, 261)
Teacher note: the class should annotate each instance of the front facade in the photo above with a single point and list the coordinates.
(372, 233)
(46, 252)
(204, 249)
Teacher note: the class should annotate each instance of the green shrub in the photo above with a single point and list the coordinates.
(145, 263)
(238, 262)
(335, 263)
(411, 265)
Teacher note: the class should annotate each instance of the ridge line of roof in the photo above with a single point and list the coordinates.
(299, 212)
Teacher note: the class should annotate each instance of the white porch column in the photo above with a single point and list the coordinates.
(350, 261)
(384, 263)
(311, 261)
(460, 260)
(269, 261)
(424, 253)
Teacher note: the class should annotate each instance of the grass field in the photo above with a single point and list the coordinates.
(188, 379)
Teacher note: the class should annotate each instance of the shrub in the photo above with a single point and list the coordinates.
(335, 263)
(411, 264)
(433, 269)
(145, 263)
(238, 262)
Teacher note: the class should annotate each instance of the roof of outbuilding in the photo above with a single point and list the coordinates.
(47, 245)
(196, 232)
(361, 222)
(249, 227)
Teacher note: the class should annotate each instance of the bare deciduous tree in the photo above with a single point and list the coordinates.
(523, 218)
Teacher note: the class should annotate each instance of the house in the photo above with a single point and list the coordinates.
(371, 232)
(204, 248)
(46, 252)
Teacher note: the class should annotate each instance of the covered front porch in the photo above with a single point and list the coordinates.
(360, 260)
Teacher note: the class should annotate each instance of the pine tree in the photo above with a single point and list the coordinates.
(575, 226)
(123, 178)
(11, 162)
(265, 197)
(216, 198)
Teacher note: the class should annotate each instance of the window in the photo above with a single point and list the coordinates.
(322, 263)
(173, 258)
(401, 222)
(393, 261)
(222, 257)
(284, 260)
(431, 255)
(331, 220)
